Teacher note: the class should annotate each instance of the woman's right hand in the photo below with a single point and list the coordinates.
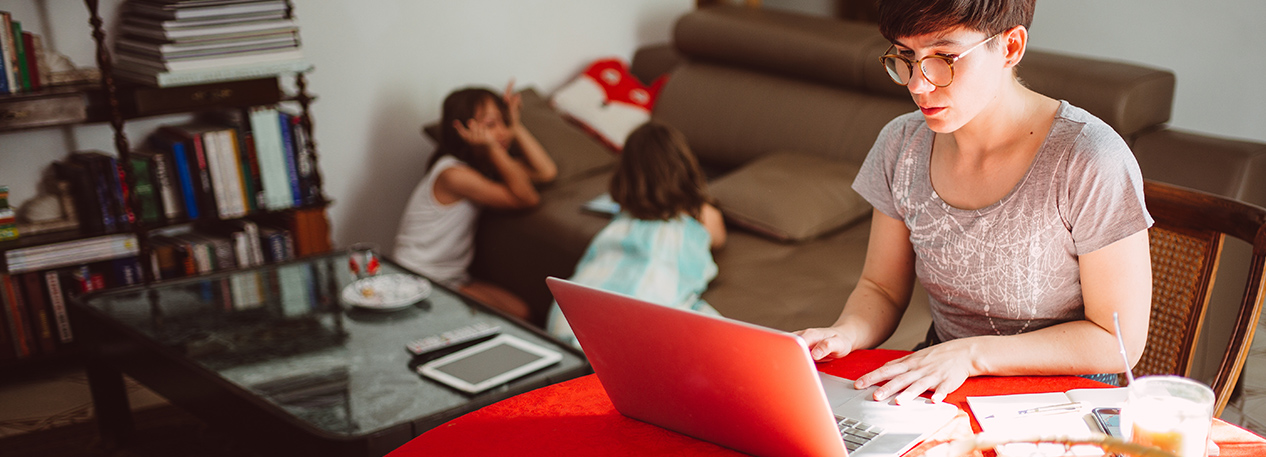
(826, 344)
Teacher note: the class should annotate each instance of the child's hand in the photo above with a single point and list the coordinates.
(513, 102)
(475, 134)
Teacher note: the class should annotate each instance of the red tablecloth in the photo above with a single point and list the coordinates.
(576, 418)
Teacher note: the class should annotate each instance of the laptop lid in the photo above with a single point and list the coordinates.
(745, 387)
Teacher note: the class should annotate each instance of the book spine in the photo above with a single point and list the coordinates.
(272, 166)
(41, 314)
(215, 169)
(235, 170)
(8, 343)
(210, 75)
(32, 60)
(304, 162)
(230, 173)
(57, 300)
(206, 187)
(117, 180)
(24, 75)
(168, 190)
(125, 271)
(291, 157)
(22, 335)
(82, 190)
(100, 182)
(4, 89)
(10, 53)
(186, 176)
(145, 189)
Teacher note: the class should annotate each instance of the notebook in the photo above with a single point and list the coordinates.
(738, 385)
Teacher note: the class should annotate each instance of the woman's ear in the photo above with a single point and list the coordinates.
(1014, 41)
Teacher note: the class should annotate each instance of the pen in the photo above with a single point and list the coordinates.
(1048, 409)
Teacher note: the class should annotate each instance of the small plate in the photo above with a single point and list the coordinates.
(386, 292)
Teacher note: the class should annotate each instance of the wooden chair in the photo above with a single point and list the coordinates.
(1186, 245)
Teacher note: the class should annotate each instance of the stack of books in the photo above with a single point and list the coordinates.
(180, 42)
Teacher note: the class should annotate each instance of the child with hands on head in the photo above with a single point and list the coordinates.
(485, 159)
(1021, 215)
(658, 248)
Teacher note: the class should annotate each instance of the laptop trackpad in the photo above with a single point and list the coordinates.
(887, 444)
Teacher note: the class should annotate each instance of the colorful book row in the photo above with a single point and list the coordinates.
(33, 316)
(22, 66)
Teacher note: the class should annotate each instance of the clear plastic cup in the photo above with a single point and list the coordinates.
(1169, 412)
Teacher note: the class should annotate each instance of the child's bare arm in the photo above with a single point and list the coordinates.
(712, 220)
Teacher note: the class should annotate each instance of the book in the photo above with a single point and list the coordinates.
(32, 288)
(7, 351)
(239, 121)
(57, 300)
(160, 78)
(8, 220)
(305, 163)
(274, 174)
(208, 62)
(157, 49)
(66, 253)
(147, 192)
(9, 53)
(165, 185)
(19, 49)
(1002, 414)
(124, 272)
(41, 66)
(185, 176)
(291, 155)
(4, 85)
(105, 172)
(23, 338)
(190, 10)
(231, 168)
(221, 19)
(32, 60)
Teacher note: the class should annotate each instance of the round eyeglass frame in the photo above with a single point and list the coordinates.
(949, 61)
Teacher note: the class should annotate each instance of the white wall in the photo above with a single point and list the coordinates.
(383, 66)
(382, 70)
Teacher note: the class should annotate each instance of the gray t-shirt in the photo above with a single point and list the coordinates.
(1010, 267)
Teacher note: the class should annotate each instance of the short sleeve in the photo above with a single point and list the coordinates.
(875, 179)
(1105, 191)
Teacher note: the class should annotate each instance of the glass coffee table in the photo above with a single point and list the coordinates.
(275, 355)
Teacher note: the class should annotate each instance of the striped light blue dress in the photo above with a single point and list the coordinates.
(663, 262)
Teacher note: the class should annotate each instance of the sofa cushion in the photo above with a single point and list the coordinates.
(576, 154)
(607, 101)
(791, 196)
(731, 116)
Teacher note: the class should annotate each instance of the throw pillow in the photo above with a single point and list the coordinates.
(608, 101)
(790, 196)
(575, 153)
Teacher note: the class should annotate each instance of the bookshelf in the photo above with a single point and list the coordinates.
(116, 101)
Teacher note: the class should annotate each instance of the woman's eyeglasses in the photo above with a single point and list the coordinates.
(937, 69)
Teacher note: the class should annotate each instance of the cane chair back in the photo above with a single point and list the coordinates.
(1186, 246)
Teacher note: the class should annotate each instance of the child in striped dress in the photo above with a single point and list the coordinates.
(658, 248)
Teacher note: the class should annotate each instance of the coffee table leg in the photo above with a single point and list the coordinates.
(110, 403)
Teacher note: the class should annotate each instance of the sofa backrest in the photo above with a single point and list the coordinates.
(756, 80)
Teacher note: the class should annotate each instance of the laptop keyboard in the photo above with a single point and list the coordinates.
(856, 433)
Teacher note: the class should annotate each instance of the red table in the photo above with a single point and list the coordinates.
(576, 418)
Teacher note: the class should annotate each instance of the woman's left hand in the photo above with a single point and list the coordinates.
(513, 101)
(941, 368)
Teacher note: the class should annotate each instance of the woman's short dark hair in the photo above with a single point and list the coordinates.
(658, 177)
(906, 18)
(462, 105)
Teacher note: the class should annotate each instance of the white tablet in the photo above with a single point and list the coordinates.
(489, 364)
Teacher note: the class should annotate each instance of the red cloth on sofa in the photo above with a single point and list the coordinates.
(577, 418)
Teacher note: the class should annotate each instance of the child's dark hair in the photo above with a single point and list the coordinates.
(461, 106)
(658, 177)
(905, 18)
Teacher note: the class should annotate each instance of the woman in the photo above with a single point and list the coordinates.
(1021, 215)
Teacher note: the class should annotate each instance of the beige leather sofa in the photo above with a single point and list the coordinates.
(750, 84)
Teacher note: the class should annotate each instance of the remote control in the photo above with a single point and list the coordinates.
(452, 337)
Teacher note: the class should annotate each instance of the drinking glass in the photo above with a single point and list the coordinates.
(361, 260)
(1169, 412)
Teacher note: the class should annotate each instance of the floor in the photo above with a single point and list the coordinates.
(50, 415)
